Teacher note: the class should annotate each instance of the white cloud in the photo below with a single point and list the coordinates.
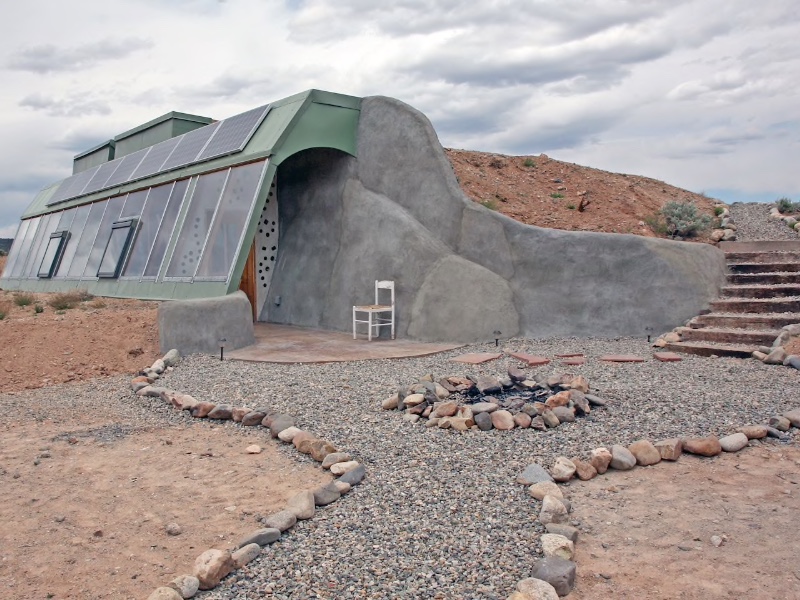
(700, 93)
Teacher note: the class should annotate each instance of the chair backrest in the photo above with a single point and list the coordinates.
(383, 285)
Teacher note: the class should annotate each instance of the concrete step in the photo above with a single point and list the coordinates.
(748, 305)
(745, 320)
(764, 279)
(762, 257)
(711, 349)
(784, 290)
(767, 267)
(748, 337)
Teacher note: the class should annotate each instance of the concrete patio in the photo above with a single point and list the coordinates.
(289, 344)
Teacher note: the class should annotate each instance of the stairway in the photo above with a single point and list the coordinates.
(762, 295)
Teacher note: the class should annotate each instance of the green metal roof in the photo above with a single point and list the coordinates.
(310, 119)
(162, 119)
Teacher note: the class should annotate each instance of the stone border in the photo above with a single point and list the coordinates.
(726, 231)
(213, 565)
(554, 575)
(777, 355)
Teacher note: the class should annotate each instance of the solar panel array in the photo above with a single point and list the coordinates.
(212, 141)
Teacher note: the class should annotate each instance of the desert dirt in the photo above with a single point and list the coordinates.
(89, 520)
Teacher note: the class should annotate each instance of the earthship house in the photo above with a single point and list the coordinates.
(289, 212)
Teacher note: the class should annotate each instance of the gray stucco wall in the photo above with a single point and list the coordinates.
(462, 271)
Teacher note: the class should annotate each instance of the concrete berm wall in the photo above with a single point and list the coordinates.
(462, 272)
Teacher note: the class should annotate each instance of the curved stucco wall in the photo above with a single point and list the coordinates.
(463, 272)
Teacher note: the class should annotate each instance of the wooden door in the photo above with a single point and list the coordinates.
(248, 283)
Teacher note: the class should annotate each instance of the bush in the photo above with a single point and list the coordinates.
(571, 206)
(718, 210)
(681, 219)
(529, 163)
(23, 299)
(556, 196)
(5, 308)
(38, 309)
(785, 205)
(490, 204)
(67, 300)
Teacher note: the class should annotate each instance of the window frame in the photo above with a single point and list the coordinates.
(62, 236)
(132, 225)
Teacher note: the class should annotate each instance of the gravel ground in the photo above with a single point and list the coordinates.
(439, 514)
(753, 223)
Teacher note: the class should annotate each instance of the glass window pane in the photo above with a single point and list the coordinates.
(195, 228)
(134, 204)
(47, 226)
(113, 208)
(148, 227)
(115, 249)
(230, 220)
(66, 219)
(55, 246)
(165, 228)
(84, 245)
(25, 247)
(15, 248)
(75, 230)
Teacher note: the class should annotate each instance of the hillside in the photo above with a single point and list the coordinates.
(545, 192)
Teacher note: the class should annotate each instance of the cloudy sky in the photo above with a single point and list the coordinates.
(702, 94)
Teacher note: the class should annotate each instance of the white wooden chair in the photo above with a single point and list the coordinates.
(377, 315)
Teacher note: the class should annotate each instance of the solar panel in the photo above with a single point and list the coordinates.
(189, 147)
(73, 186)
(105, 171)
(126, 167)
(158, 154)
(233, 133)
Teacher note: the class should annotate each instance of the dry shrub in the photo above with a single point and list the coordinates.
(23, 299)
(67, 300)
(5, 308)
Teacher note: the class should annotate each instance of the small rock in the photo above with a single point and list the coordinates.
(253, 418)
(557, 545)
(584, 470)
(281, 520)
(326, 494)
(342, 486)
(793, 416)
(522, 420)
(564, 414)
(211, 566)
(391, 402)
(538, 423)
(185, 585)
(716, 541)
(279, 423)
(579, 383)
(245, 554)
(502, 420)
(300, 437)
(568, 531)
(287, 435)
(559, 399)
(201, 409)
(343, 467)
(552, 511)
(550, 419)
(301, 505)
(702, 446)
(516, 374)
(595, 400)
(164, 593)
(238, 413)
(172, 358)
(645, 452)
(355, 476)
(173, 529)
(600, 459)
(445, 409)
(621, 458)
(776, 357)
(221, 412)
(780, 423)
(411, 418)
(484, 421)
(545, 488)
(488, 385)
(563, 469)
(669, 449)
(253, 449)
(557, 572)
(734, 442)
(758, 355)
(534, 473)
(753, 432)
(484, 407)
(262, 537)
(535, 589)
(335, 457)
(413, 400)
(320, 449)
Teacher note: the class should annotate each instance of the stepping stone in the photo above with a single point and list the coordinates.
(531, 359)
(573, 362)
(622, 358)
(667, 356)
(570, 355)
(476, 358)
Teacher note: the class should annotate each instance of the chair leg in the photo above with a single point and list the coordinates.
(369, 333)
(354, 323)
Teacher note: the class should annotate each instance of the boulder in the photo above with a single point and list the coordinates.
(185, 585)
(645, 452)
(564, 414)
(621, 458)
(343, 467)
(545, 488)
(584, 470)
(484, 421)
(669, 449)
(554, 544)
(278, 423)
(780, 423)
(753, 432)
(253, 418)
(335, 457)
(287, 435)
(552, 511)
(702, 446)
(172, 358)
(355, 476)
(245, 554)
(301, 505)
(580, 384)
(534, 473)
(522, 420)
(559, 399)
(262, 537)
(300, 437)
(550, 419)
(535, 589)
(221, 412)
(445, 409)
(484, 407)
(562, 470)
(502, 419)
(557, 572)
(600, 459)
(281, 520)
(201, 409)
(320, 449)
(568, 531)
(793, 416)
(327, 494)
(488, 385)
(733, 442)
(211, 566)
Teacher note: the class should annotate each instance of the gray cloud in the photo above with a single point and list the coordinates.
(78, 105)
(48, 58)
